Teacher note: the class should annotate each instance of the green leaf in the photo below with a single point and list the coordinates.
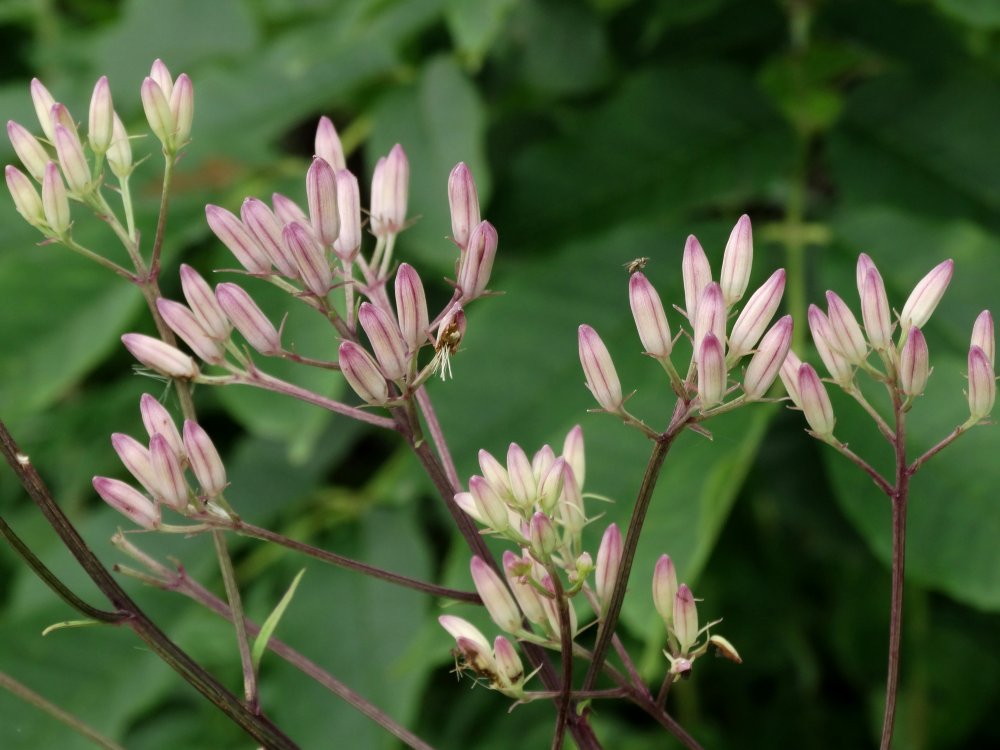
(476, 26)
(984, 14)
(267, 629)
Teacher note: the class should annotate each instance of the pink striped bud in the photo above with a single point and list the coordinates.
(181, 110)
(665, 589)
(510, 670)
(310, 258)
(43, 101)
(204, 459)
(865, 264)
(362, 374)
(473, 647)
(736, 261)
(477, 261)
(248, 319)
(516, 570)
(235, 236)
(828, 347)
(685, 618)
(925, 296)
(914, 363)
(160, 356)
(815, 404)
(711, 315)
(156, 106)
(135, 457)
(265, 228)
(756, 316)
(170, 487)
(119, 154)
(71, 159)
(542, 536)
(31, 153)
(711, 372)
(697, 274)
(875, 311)
(386, 340)
(26, 198)
(495, 474)
(55, 202)
(599, 370)
(203, 304)
(288, 210)
(609, 557)
(521, 477)
(467, 503)
(550, 485)
(159, 72)
(185, 324)
(982, 384)
(983, 337)
(101, 124)
(650, 319)
(542, 461)
(348, 240)
(321, 195)
(328, 146)
(491, 507)
(768, 359)
(156, 419)
(390, 188)
(463, 200)
(61, 116)
(848, 338)
(573, 452)
(411, 308)
(789, 374)
(128, 501)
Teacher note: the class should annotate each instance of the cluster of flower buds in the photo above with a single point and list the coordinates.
(676, 606)
(160, 468)
(717, 348)
(499, 667)
(845, 347)
(169, 107)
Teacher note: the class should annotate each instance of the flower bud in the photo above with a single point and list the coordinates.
(543, 537)
(697, 274)
(26, 199)
(61, 116)
(865, 264)
(43, 101)
(982, 384)
(983, 337)
(495, 474)
(827, 346)
(159, 72)
(204, 459)
(472, 645)
(451, 331)
(609, 557)
(321, 195)
(550, 485)
(100, 127)
(157, 109)
(551, 607)
(288, 210)
(711, 315)
(521, 477)
(529, 600)
(510, 670)
(847, 336)
(248, 319)
(235, 236)
(310, 258)
(789, 374)
(386, 340)
(925, 296)
(31, 153)
(768, 359)
(477, 261)
(182, 110)
(463, 200)
(328, 146)
(756, 315)
(599, 370)
(711, 372)
(71, 159)
(348, 240)
(362, 374)
(725, 649)
(156, 419)
(411, 308)
(160, 356)
(650, 319)
(685, 618)
(184, 323)
(665, 589)
(170, 486)
(815, 402)
(573, 452)
(736, 261)
(875, 311)
(491, 507)
(128, 501)
(390, 188)
(264, 227)
(914, 363)
(203, 304)
(135, 457)
(467, 503)
(542, 461)
(570, 506)
(119, 154)
(55, 202)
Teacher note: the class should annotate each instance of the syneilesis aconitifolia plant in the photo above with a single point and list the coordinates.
(902, 366)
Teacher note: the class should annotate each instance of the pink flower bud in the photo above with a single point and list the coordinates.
(135, 457)
(170, 486)
(156, 106)
(550, 485)
(328, 146)
(474, 655)
(362, 374)
(26, 199)
(609, 557)
(411, 308)
(711, 315)
(571, 511)
(55, 202)
(184, 323)
(248, 319)
(288, 210)
(983, 337)
(551, 608)
(203, 304)
(234, 236)
(522, 478)
(459, 628)
(386, 340)
(119, 154)
(865, 264)
(925, 296)
(495, 474)
(697, 274)
(767, 361)
(542, 535)
(815, 402)
(510, 670)
(60, 116)
(160, 356)
(650, 319)
(31, 153)
(573, 452)
(159, 72)
(736, 262)
(875, 311)
(491, 507)
(310, 258)
(542, 461)
(204, 459)
(128, 501)
(477, 261)
(321, 195)
(100, 127)
(348, 240)
(756, 315)
(181, 110)
(711, 372)
(463, 200)
(71, 159)
(982, 384)
(828, 347)
(914, 363)
(270, 247)
(157, 419)
(685, 618)
(390, 187)
(496, 598)
(467, 503)
(848, 338)
(665, 589)
(529, 600)
(599, 370)
(789, 374)
(43, 102)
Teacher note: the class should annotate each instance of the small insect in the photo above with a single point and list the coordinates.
(636, 265)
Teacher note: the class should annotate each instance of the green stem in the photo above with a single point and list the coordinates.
(236, 606)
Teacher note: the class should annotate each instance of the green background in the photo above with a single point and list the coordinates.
(598, 131)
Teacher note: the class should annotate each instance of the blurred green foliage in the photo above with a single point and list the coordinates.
(598, 131)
